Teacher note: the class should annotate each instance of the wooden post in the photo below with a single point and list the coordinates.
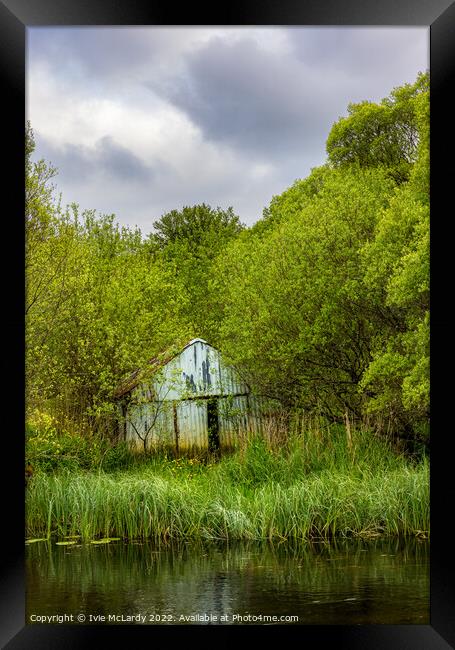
(124, 408)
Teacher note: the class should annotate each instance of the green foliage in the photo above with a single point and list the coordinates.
(397, 262)
(384, 134)
(293, 200)
(98, 305)
(47, 450)
(325, 302)
(297, 321)
(188, 241)
(119, 457)
(197, 225)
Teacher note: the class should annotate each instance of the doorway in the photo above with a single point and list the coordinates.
(213, 426)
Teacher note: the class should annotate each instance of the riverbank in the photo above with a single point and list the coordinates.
(257, 493)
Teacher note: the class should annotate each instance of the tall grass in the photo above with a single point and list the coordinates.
(322, 486)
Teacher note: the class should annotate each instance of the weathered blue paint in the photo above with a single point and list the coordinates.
(189, 383)
(206, 379)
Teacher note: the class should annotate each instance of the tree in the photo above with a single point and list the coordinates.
(297, 321)
(325, 303)
(49, 262)
(98, 305)
(385, 134)
(195, 225)
(397, 262)
(188, 241)
(291, 201)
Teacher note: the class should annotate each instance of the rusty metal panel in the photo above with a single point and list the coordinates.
(240, 416)
(191, 424)
(237, 416)
(255, 410)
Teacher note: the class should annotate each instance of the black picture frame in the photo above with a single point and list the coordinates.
(15, 17)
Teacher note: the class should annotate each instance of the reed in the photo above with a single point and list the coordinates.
(290, 492)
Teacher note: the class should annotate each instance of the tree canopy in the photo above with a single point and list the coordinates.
(196, 225)
(382, 134)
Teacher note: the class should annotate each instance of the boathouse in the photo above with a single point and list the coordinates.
(186, 399)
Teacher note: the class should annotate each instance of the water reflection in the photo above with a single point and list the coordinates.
(380, 581)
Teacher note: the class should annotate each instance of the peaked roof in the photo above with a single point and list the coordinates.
(152, 366)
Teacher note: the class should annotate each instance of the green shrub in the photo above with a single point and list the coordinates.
(120, 456)
(47, 449)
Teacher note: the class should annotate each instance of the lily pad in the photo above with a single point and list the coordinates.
(66, 543)
(105, 540)
(37, 539)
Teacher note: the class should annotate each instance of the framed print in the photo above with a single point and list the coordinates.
(170, 321)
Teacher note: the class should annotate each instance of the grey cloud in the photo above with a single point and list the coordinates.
(108, 58)
(247, 97)
(370, 60)
(83, 179)
(282, 107)
(265, 108)
(120, 162)
(107, 158)
(93, 53)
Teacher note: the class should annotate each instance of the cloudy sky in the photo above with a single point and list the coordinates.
(143, 120)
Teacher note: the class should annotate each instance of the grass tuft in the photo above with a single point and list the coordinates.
(295, 491)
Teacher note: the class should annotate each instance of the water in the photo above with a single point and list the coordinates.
(355, 582)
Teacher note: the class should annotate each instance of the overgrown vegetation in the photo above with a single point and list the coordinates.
(314, 486)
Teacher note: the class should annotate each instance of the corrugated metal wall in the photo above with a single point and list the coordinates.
(192, 424)
(197, 371)
(153, 421)
(237, 415)
(181, 391)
